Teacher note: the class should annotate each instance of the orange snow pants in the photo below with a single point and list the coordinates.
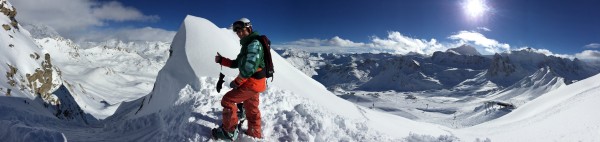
(249, 97)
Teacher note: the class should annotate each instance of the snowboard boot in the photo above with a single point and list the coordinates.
(241, 113)
(220, 133)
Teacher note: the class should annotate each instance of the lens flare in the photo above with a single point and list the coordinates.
(475, 8)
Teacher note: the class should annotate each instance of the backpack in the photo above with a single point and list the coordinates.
(268, 71)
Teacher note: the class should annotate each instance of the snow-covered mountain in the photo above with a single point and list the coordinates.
(450, 70)
(28, 68)
(464, 50)
(30, 72)
(564, 114)
(102, 75)
(32, 80)
(41, 31)
(452, 88)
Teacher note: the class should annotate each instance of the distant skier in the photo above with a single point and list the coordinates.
(246, 86)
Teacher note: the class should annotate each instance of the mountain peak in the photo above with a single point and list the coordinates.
(464, 50)
(41, 31)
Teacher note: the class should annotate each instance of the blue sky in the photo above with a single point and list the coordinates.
(560, 26)
(563, 27)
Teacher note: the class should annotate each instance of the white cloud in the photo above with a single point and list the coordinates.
(401, 44)
(545, 52)
(337, 41)
(483, 29)
(395, 42)
(588, 55)
(333, 45)
(115, 11)
(490, 45)
(592, 45)
(72, 18)
(130, 34)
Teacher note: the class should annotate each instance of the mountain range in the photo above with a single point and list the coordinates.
(456, 69)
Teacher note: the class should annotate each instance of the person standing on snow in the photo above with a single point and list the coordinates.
(246, 87)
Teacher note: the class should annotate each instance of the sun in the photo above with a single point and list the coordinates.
(475, 9)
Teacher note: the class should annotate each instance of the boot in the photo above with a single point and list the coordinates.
(220, 133)
(241, 113)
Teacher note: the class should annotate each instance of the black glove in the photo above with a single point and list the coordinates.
(220, 82)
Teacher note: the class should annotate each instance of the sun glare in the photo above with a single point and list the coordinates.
(475, 8)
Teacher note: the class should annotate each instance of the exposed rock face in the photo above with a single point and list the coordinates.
(25, 76)
(6, 27)
(41, 80)
(460, 61)
(10, 12)
(501, 65)
(10, 75)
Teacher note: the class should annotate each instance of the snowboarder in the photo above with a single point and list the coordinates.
(246, 87)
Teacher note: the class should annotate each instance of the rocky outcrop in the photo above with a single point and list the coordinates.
(10, 12)
(35, 78)
(501, 66)
(40, 81)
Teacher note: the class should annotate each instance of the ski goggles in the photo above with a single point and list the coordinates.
(239, 25)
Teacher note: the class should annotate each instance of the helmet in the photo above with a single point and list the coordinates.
(239, 24)
(244, 20)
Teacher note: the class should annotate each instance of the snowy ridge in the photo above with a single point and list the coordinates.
(28, 69)
(19, 56)
(186, 64)
(464, 50)
(531, 87)
(559, 115)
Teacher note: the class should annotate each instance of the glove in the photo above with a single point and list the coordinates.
(220, 82)
(218, 58)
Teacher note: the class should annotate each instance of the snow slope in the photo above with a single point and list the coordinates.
(194, 48)
(565, 114)
(21, 58)
(102, 75)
